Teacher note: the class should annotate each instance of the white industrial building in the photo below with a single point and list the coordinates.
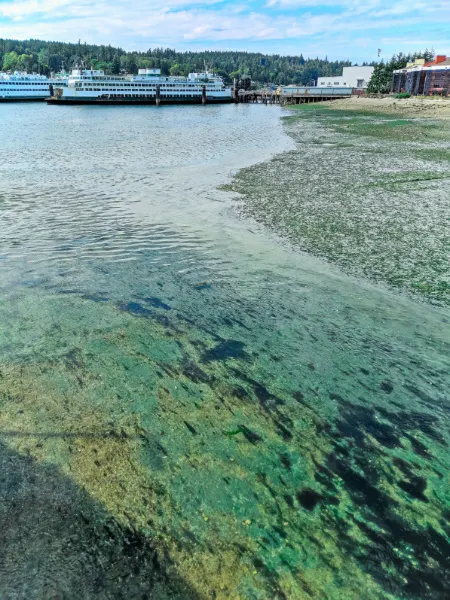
(353, 77)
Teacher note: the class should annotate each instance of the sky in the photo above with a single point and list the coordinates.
(338, 29)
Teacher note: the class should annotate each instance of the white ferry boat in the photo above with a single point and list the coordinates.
(87, 86)
(23, 86)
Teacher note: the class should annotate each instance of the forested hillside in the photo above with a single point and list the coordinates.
(45, 57)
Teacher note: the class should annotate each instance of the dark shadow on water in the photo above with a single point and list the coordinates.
(57, 542)
(407, 558)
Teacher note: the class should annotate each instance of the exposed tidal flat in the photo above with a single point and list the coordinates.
(367, 187)
(189, 409)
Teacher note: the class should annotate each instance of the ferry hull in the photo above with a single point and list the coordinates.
(135, 101)
(23, 99)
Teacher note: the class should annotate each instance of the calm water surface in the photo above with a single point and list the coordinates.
(189, 409)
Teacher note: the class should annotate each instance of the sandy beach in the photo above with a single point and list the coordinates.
(425, 107)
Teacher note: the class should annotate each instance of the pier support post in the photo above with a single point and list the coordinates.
(158, 95)
(204, 94)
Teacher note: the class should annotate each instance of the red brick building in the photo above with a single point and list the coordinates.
(424, 79)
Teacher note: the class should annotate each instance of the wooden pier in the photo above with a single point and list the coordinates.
(285, 96)
(257, 97)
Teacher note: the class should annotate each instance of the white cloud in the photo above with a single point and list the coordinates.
(31, 7)
(210, 23)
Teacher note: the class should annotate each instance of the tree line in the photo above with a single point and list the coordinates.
(51, 57)
(37, 56)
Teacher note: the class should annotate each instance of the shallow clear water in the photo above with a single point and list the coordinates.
(189, 408)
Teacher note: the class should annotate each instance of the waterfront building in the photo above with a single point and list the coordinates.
(352, 77)
(421, 78)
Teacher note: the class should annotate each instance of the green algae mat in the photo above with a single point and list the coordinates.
(367, 192)
(208, 461)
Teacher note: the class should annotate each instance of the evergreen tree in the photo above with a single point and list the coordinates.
(43, 60)
(130, 64)
(115, 65)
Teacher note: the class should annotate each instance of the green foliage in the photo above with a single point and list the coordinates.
(13, 61)
(115, 65)
(402, 95)
(131, 64)
(381, 80)
(175, 69)
(44, 57)
(10, 61)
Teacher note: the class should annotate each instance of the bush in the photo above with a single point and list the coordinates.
(403, 95)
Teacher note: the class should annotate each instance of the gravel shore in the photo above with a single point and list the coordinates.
(364, 189)
(438, 108)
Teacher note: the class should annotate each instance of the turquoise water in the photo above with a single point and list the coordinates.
(188, 407)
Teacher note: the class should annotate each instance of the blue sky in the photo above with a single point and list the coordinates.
(339, 29)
